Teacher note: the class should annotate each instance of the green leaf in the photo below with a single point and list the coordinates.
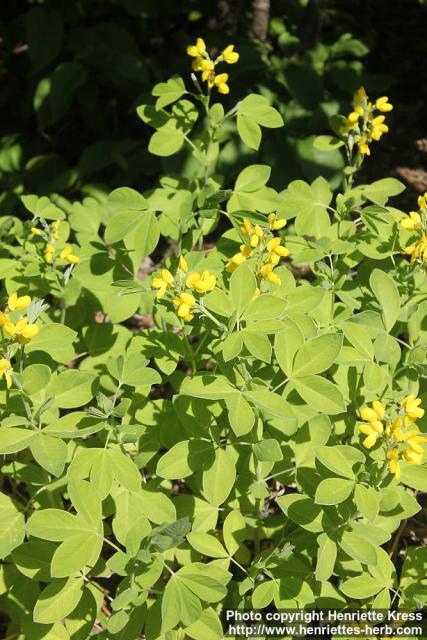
(166, 141)
(249, 131)
(242, 287)
(380, 190)
(414, 476)
(35, 378)
(270, 402)
(316, 355)
(359, 338)
(232, 346)
(14, 439)
(169, 91)
(385, 291)
(86, 501)
(50, 453)
(206, 545)
(56, 340)
(240, 414)
(333, 491)
(234, 531)
(361, 587)
(179, 603)
(207, 626)
(327, 143)
(367, 501)
(326, 557)
(320, 394)
(253, 178)
(125, 470)
(54, 525)
(286, 344)
(75, 553)
(267, 450)
(207, 387)
(72, 388)
(12, 526)
(184, 458)
(120, 225)
(219, 479)
(358, 548)
(264, 307)
(333, 459)
(57, 600)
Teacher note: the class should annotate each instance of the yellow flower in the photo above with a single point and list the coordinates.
(4, 319)
(418, 250)
(378, 127)
(182, 264)
(202, 283)
(422, 201)
(230, 56)
(36, 231)
(371, 415)
(220, 82)
(412, 221)
(49, 252)
(267, 273)
(22, 330)
(364, 147)
(413, 457)
(207, 67)
(6, 370)
(276, 224)
(183, 306)
(16, 302)
(55, 226)
(275, 248)
(372, 430)
(393, 462)
(254, 232)
(412, 409)
(67, 254)
(197, 49)
(382, 104)
(162, 282)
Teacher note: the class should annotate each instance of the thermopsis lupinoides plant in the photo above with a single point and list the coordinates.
(217, 426)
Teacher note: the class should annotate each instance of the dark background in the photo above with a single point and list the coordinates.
(73, 73)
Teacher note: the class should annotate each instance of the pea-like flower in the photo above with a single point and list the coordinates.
(254, 232)
(382, 104)
(275, 223)
(23, 330)
(411, 222)
(220, 82)
(238, 258)
(393, 463)
(18, 303)
(413, 411)
(49, 252)
(197, 49)
(182, 264)
(230, 56)
(373, 430)
(67, 254)
(202, 283)
(267, 272)
(183, 306)
(418, 251)
(162, 283)
(6, 370)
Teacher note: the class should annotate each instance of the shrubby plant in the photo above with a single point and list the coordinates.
(235, 423)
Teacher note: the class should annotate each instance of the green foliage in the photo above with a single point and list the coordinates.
(185, 418)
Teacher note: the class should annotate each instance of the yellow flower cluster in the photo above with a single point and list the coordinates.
(364, 122)
(184, 301)
(417, 221)
(399, 434)
(6, 370)
(21, 330)
(51, 235)
(269, 249)
(202, 62)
